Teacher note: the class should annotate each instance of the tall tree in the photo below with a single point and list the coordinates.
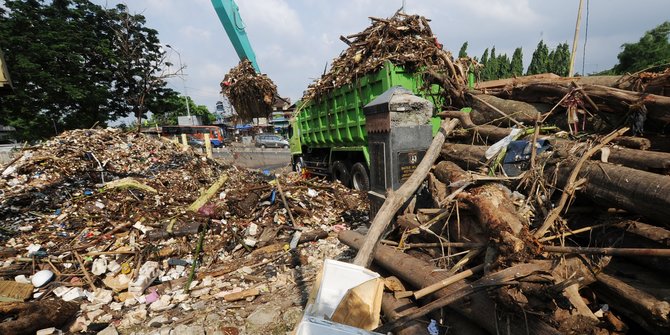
(485, 57)
(559, 60)
(540, 60)
(68, 69)
(463, 52)
(516, 66)
(140, 77)
(652, 49)
(504, 67)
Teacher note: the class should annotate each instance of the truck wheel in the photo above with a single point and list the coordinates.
(262, 146)
(285, 146)
(341, 173)
(359, 177)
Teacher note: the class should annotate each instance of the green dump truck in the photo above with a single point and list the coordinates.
(328, 136)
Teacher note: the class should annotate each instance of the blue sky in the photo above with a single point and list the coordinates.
(295, 39)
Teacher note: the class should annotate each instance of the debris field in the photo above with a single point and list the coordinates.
(138, 234)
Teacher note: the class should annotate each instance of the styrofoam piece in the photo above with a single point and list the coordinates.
(311, 325)
(337, 278)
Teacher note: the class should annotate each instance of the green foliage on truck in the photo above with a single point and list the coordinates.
(337, 121)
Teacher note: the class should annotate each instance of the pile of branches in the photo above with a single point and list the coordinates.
(251, 94)
(404, 40)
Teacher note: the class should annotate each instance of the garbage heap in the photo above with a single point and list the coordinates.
(251, 94)
(108, 229)
(547, 213)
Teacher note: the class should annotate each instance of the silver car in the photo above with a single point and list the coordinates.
(271, 141)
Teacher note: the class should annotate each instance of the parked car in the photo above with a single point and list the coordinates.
(271, 141)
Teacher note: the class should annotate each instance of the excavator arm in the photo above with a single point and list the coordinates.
(229, 15)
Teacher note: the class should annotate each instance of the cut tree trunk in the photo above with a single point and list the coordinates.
(518, 110)
(392, 307)
(550, 78)
(33, 316)
(608, 99)
(636, 191)
(640, 306)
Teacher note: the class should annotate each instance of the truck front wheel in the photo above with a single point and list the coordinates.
(340, 172)
(359, 177)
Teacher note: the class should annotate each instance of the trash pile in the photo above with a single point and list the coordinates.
(251, 94)
(104, 229)
(405, 40)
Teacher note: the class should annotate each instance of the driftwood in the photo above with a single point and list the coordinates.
(392, 307)
(396, 199)
(645, 309)
(550, 78)
(636, 191)
(33, 316)
(520, 111)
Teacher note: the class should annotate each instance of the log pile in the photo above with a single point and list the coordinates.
(251, 94)
(570, 237)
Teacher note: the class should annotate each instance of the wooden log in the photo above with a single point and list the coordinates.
(33, 316)
(205, 197)
(479, 307)
(608, 99)
(550, 78)
(639, 143)
(392, 307)
(636, 191)
(653, 161)
(651, 313)
(468, 157)
(518, 110)
(624, 233)
(396, 199)
(502, 277)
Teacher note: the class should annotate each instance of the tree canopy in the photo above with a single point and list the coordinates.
(653, 49)
(74, 64)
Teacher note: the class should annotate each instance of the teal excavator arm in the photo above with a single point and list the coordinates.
(229, 15)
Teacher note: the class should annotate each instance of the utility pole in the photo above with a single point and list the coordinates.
(183, 78)
(574, 40)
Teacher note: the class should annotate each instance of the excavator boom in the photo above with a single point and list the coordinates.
(229, 15)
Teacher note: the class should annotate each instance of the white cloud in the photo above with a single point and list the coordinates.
(272, 17)
(192, 32)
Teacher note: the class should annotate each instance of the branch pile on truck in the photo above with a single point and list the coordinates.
(544, 212)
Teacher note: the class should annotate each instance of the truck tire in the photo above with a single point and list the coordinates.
(340, 172)
(360, 180)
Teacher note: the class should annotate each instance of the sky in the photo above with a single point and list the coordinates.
(294, 40)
